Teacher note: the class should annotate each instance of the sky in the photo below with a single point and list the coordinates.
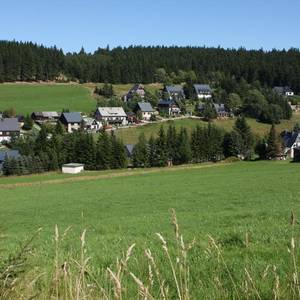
(71, 24)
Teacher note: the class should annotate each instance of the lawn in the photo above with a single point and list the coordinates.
(26, 98)
(249, 220)
(130, 135)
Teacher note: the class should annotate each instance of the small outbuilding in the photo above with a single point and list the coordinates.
(72, 168)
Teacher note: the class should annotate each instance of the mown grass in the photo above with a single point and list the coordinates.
(245, 207)
(26, 98)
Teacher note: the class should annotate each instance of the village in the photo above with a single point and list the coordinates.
(115, 118)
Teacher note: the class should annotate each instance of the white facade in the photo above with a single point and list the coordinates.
(72, 168)
(73, 127)
(111, 115)
(147, 115)
(289, 94)
(204, 96)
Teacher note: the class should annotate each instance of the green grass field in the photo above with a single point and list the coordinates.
(26, 98)
(130, 135)
(226, 201)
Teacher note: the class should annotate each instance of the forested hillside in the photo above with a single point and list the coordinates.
(28, 61)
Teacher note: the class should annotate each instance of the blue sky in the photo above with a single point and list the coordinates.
(70, 24)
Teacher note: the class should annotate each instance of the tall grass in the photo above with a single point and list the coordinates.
(167, 272)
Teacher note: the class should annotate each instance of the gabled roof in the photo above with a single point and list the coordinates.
(167, 103)
(72, 117)
(111, 111)
(145, 107)
(136, 87)
(9, 124)
(290, 138)
(10, 154)
(171, 89)
(219, 107)
(281, 90)
(202, 88)
(46, 114)
(129, 149)
(89, 121)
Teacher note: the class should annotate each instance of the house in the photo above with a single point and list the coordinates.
(174, 92)
(8, 154)
(291, 140)
(146, 110)
(9, 127)
(202, 91)
(111, 115)
(72, 168)
(131, 118)
(91, 124)
(168, 107)
(137, 89)
(296, 157)
(295, 108)
(220, 109)
(71, 120)
(222, 112)
(283, 91)
(42, 117)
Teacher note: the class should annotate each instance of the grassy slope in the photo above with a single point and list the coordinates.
(130, 135)
(26, 98)
(225, 201)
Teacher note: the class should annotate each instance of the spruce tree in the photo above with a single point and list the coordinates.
(140, 153)
(103, 151)
(183, 152)
(274, 145)
(161, 149)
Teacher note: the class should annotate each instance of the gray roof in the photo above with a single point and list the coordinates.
(202, 88)
(129, 149)
(9, 124)
(46, 114)
(72, 117)
(145, 107)
(72, 165)
(111, 112)
(9, 154)
(219, 107)
(281, 90)
(174, 89)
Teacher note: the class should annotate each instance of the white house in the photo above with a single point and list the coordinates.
(72, 168)
(91, 124)
(9, 127)
(283, 91)
(111, 115)
(71, 120)
(291, 141)
(203, 91)
(146, 110)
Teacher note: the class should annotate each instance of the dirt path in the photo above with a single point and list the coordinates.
(111, 175)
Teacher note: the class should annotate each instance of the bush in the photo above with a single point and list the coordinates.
(232, 159)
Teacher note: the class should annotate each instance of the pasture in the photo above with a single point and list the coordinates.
(245, 207)
(26, 98)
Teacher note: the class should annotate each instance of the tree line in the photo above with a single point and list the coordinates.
(29, 61)
(52, 148)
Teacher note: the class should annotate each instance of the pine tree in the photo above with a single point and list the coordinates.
(274, 146)
(152, 152)
(183, 153)
(171, 142)
(118, 160)
(247, 140)
(140, 153)
(28, 123)
(161, 149)
(103, 151)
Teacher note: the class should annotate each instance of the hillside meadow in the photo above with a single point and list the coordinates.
(26, 98)
(131, 135)
(239, 215)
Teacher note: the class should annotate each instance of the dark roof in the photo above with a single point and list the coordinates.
(290, 138)
(219, 107)
(72, 117)
(171, 89)
(202, 88)
(145, 107)
(129, 149)
(166, 103)
(9, 154)
(9, 124)
(281, 90)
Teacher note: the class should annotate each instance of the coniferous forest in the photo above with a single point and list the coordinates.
(29, 61)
